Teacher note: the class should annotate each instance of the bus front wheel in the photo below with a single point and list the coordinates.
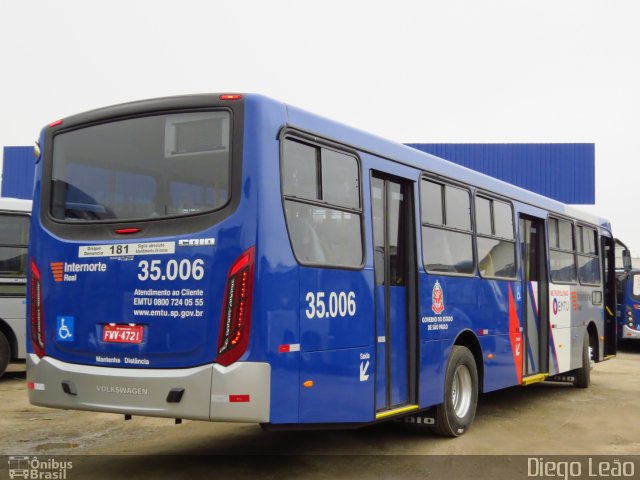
(455, 415)
(5, 353)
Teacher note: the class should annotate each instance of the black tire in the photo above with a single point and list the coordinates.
(583, 374)
(456, 414)
(5, 353)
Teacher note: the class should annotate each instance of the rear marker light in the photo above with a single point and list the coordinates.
(239, 398)
(36, 315)
(291, 347)
(233, 96)
(127, 231)
(236, 310)
(55, 124)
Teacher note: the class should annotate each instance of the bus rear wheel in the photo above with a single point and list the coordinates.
(583, 374)
(5, 353)
(456, 414)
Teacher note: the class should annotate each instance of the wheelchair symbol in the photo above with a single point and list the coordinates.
(65, 329)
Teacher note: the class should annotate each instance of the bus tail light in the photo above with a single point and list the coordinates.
(36, 316)
(236, 310)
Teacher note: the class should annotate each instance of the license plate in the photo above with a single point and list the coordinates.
(122, 333)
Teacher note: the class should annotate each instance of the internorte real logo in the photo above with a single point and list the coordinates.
(68, 271)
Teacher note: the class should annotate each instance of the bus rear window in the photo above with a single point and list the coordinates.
(142, 168)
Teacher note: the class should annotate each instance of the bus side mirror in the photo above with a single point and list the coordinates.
(626, 260)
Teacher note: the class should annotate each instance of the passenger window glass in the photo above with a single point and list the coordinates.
(496, 258)
(588, 270)
(503, 219)
(565, 234)
(457, 205)
(340, 184)
(15, 230)
(589, 243)
(323, 235)
(563, 266)
(431, 203)
(483, 216)
(447, 251)
(299, 170)
(553, 233)
(323, 212)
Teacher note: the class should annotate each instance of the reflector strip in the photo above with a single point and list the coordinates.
(484, 331)
(35, 386)
(239, 398)
(291, 347)
(230, 398)
(382, 339)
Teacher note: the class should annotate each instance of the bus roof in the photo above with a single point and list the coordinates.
(369, 143)
(410, 156)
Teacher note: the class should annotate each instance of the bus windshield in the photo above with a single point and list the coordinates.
(635, 286)
(141, 168)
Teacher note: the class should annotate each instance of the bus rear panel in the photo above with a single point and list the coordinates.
(143, 262)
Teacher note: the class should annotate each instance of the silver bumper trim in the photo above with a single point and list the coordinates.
(238, 393)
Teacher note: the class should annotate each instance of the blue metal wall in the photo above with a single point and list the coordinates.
(562, 171)
(17, 172)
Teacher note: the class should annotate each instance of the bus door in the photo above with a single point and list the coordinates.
(609, 276)
(535, 295)
(395, 291)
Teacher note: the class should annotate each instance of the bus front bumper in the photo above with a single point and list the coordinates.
(238, 393)
(630, 333)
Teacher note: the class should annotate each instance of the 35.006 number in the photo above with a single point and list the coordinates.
(340, 304)
(184, 270)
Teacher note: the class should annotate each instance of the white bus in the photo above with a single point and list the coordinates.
(14, 239)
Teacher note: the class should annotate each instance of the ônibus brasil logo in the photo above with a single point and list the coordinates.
(437, 299)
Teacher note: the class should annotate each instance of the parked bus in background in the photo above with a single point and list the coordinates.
(232, 258)
(628, 295)
(14, 238)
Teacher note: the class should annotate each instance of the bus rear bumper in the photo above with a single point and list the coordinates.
(238, 393)
(630, 333)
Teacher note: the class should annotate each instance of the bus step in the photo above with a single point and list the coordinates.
(539, 377)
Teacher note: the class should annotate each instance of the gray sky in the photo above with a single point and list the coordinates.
(413, 71)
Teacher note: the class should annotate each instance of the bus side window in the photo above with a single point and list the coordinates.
(495, 238)
(561, 251)
(447, 237)
(321, 190)
(588, 261)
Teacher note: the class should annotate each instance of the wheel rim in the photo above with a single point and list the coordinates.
(461, 391)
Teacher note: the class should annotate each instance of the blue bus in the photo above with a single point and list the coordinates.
(233, 258)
